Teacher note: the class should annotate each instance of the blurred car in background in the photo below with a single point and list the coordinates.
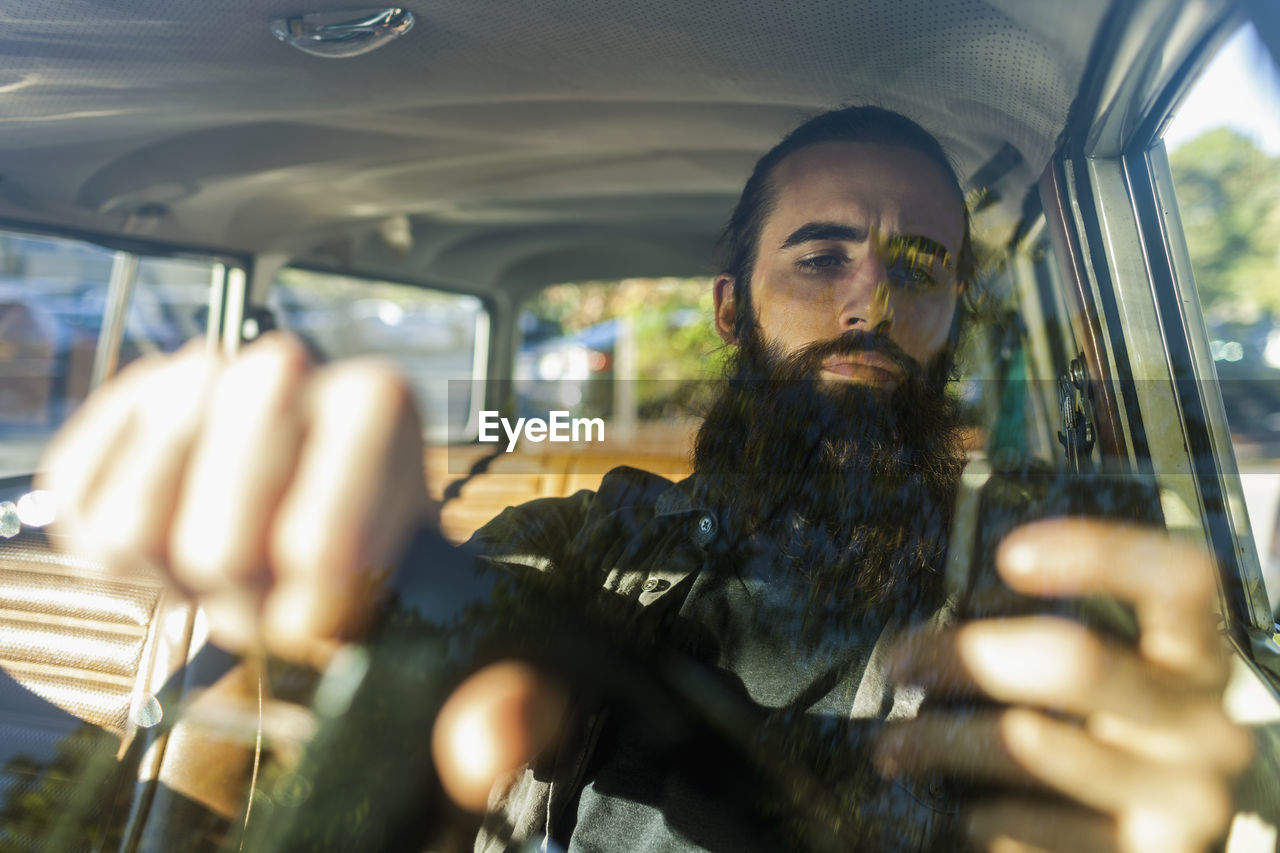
(573, 373)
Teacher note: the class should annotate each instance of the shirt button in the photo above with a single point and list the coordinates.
(706, 528)
(654, 584)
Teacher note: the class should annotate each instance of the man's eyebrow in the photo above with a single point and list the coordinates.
(922, 244)
(811, 231)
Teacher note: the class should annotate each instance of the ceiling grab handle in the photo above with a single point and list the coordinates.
(338, 35)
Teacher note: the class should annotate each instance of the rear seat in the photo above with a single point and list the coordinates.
(534, 471)
(537, 471)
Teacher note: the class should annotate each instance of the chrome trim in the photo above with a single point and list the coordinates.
(124, 274)
(1162, 206)
(233, 311)
(217, 294)
(479, 373)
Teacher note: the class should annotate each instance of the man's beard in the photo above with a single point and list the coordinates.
(869, 473)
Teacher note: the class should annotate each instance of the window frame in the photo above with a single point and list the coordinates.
(225, 304)
(1109, 193)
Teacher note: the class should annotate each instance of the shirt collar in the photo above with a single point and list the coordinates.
(688, 495)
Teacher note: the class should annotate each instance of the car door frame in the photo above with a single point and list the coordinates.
(1108, 197)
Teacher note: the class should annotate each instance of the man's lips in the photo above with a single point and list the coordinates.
(868, 366)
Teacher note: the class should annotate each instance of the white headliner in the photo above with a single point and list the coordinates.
(529, 141)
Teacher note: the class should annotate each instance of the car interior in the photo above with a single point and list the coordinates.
(413, 181)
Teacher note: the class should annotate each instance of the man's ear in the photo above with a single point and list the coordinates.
(726, 309)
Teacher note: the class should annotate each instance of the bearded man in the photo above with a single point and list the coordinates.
(794, 571)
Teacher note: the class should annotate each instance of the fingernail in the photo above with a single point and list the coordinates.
(1017, 557)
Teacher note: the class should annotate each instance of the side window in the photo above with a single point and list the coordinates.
(438, 340)
(635, 353)
(53, 299)
(1224, 152)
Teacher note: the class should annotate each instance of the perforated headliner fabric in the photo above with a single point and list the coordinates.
(514, 133)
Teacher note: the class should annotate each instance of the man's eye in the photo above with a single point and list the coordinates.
(911, 267)
(821, 262)
(910, 277)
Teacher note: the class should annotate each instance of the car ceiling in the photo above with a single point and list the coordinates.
(525, 142)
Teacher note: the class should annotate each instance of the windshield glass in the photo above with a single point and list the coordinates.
(696, 427)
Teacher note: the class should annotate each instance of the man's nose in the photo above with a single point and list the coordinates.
(867, 297)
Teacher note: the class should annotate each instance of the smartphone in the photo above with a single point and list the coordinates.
(991, 502)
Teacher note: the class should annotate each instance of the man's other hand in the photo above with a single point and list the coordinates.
(497, 721)
(1096, 746)
(277, 495)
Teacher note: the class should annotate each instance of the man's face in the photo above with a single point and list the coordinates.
(861, 237)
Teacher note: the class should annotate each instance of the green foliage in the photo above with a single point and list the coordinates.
(1229, 197)
(671, 321)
